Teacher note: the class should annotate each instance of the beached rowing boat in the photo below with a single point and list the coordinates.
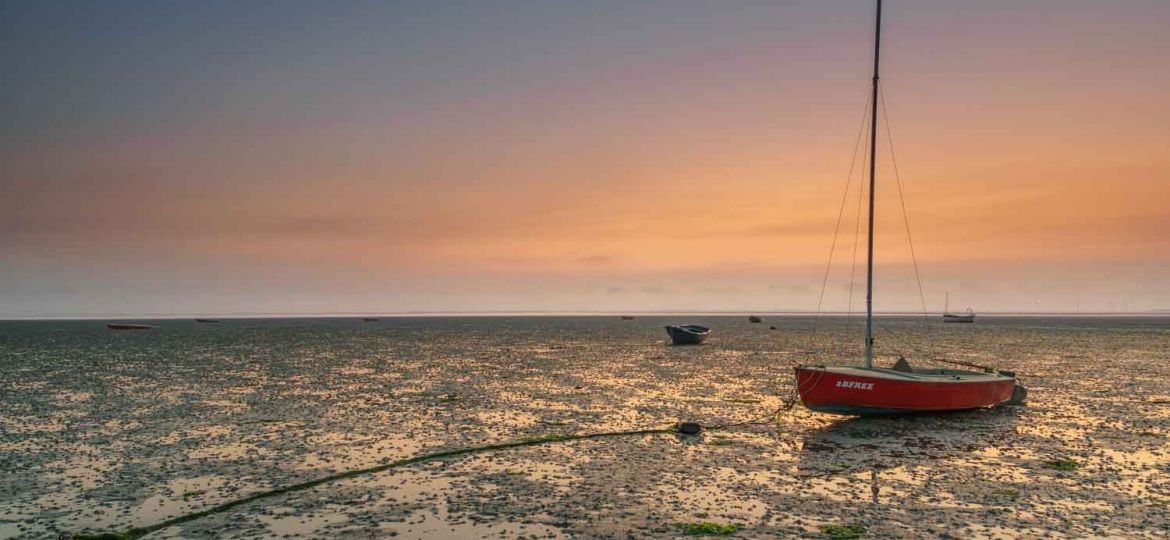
(687, 334)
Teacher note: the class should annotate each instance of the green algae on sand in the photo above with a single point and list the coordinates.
(1062, 464)
(843, 532)
(707, 528)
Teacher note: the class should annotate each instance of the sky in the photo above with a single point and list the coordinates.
(225, 157)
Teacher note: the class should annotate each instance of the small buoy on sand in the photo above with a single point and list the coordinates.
(689, 428)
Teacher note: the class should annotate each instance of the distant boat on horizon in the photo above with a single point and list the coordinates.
(687, 334)
(968, 317)
(207, 320)
(754, 319)
(125, 326)
(371, 319)
(627, 317)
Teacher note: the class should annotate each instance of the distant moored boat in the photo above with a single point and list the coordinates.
(370, 319)
(207, 320)
(968, 317)
(687, 334)
(121, 326)
(627, 317)
(754, 319)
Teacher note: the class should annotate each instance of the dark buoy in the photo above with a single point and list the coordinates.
(689, 428)
(771, 328)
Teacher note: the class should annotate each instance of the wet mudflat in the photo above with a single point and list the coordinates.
(104, 431)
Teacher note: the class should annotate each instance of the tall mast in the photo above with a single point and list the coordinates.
(877, 43)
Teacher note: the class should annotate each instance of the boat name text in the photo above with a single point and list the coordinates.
(855, 385)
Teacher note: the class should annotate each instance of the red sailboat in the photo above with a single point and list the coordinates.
(869, 390)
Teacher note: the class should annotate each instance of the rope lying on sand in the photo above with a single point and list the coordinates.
(139, 532)
(143, 531)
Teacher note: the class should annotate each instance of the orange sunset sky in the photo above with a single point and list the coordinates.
(313, 157)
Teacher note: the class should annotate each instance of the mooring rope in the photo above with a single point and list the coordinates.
(139, 532)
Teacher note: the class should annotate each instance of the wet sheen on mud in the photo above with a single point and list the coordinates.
(105, 430)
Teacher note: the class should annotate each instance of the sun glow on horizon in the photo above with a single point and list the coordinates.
(604, 156)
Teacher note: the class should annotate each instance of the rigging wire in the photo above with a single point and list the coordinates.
(856, 244)
(902, 200)
(841, 211)
(899, 337)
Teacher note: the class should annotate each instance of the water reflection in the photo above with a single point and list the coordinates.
(898, 439)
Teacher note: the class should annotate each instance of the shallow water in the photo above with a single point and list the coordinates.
(107, 430)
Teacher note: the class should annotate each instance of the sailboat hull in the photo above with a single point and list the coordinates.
(859, 391)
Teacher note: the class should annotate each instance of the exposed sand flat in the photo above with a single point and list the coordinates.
(104, 431)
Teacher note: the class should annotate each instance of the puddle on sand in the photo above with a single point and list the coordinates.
(83, 474)
(512, 464)
(202, 432)
(344, 451)
(408, 503)
(436, 525)
(227, 451)
(11, 527)
(511, 419)
(286, 522)
(711, 497)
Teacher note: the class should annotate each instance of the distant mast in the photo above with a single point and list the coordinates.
(877, 43)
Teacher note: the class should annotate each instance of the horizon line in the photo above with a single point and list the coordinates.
(556, 313)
